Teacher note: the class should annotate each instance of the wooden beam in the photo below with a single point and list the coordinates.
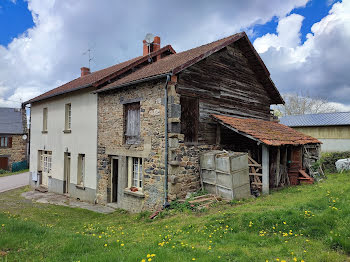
(278, 160)
(265, 169)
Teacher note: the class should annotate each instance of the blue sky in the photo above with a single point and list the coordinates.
(15, 19)
(313, 12)
(50, 53)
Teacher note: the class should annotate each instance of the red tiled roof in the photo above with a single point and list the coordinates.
(267, 132)
(98, 77)
(177, 62)
(174, 63)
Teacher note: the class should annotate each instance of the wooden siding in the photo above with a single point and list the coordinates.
(225, 84)
(326, 132)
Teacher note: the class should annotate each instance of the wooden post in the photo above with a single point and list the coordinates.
(278, 160)
(265, 169)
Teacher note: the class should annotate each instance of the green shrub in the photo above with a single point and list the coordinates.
(2, 171)
(328, 160)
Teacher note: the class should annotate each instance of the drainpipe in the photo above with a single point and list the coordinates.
(166, 203)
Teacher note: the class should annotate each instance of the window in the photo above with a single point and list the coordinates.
(189, 118)
(132, 123)
(81, 169)
(5, 141)
(45, 119)
(46, 161)
(68, 117)
(135, 172)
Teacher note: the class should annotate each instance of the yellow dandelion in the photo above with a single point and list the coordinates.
(150, 259)
(122, 244)
(193, 258)
(105, 245)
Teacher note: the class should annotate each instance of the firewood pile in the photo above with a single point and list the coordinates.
(203, 201)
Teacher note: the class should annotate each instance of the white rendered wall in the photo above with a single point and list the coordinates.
(81, 140)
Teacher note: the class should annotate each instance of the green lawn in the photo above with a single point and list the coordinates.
(13, 173)
(303, 223)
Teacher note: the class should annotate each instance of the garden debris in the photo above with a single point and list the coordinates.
(2, 253)
(202, 201)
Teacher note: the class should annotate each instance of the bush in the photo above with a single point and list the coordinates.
(328, 160)
(2, 171)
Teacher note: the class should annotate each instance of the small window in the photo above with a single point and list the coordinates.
(81, 169)
(45, 113)
(135, 174)
(68, 117)
(5, 141)
(132, 123)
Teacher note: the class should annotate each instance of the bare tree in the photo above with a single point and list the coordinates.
(299, 104)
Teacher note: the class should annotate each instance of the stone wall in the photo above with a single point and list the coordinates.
(183, 158)
(17, 152)
(151, 148)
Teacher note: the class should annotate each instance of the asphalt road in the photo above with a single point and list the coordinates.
(14, 181)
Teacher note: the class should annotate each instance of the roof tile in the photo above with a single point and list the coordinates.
(267, 132)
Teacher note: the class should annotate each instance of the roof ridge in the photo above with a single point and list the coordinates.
(317, 114)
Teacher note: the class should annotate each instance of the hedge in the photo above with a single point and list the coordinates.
(328, 160)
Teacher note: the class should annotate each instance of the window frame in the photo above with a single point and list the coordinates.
(68, 117)
(134, 181)
(45, 119)
(4, 142)
(132, 139)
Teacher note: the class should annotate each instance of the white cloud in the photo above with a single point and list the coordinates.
(50, 53)
(319, 66)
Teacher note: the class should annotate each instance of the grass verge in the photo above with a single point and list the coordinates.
(303, 223)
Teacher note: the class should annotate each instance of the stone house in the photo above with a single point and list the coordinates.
(150, 118)
(143, 162)
(13, 137)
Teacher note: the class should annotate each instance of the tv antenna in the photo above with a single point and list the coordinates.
(89, 53)
(149, 38)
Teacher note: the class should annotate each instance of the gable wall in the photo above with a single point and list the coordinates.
(225, 84)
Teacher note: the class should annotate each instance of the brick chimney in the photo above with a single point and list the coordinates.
(155, 46)
(85, 71)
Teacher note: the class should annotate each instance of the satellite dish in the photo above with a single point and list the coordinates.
(24, 137)
(149, 38)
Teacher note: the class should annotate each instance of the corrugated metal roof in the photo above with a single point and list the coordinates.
(267, 132)
(326, 119)
(11, 121)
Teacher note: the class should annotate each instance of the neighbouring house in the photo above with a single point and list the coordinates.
(143, 125)
(332, 129)
(13, 138)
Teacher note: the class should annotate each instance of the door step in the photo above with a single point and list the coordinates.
(113, 205)
(41, 189)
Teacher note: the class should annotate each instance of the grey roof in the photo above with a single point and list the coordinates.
(327, 119)
(11, 121)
